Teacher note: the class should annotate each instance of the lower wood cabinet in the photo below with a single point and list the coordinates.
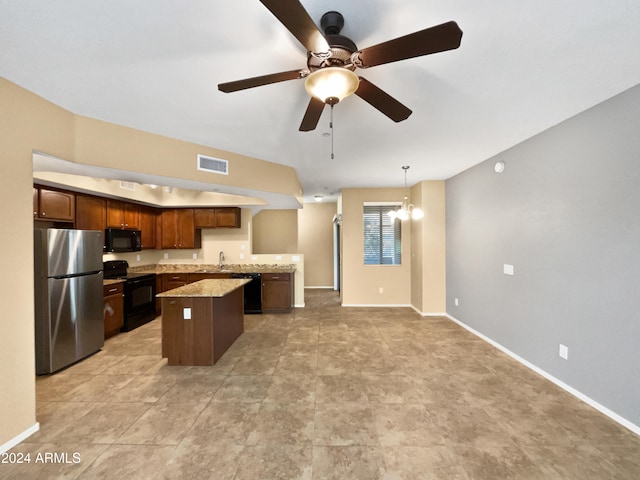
(113, 309)
(277, 292)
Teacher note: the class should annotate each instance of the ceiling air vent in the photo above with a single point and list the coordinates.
(128, 185)
(213, 165)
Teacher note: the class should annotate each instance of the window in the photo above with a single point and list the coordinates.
(382, 245)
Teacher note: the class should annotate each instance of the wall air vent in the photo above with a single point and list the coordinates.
(128, 185)
(213, 165)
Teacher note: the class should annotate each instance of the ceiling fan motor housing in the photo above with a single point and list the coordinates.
(341, 47)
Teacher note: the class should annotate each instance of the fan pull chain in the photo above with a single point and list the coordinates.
(331, 128)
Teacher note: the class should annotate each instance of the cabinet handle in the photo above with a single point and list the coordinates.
(113, 290)
(275, 278)
(43, 214)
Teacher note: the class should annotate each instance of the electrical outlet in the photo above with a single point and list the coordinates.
(242, 256)
(195, 256)
(381, 290)
(165, 256)
(186, 313)
(456, 302)
(563, 351)
(137, 258)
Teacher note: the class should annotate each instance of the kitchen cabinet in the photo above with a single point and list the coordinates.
(122, 214)
(178, 229)
(217, 217)
(113, 309)
(91, 212)
(54, 205)
(277, 292)
(173, 280)
(148, 216)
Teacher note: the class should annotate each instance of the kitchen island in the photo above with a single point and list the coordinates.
(201, 320)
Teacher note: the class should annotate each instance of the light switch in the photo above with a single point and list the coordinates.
(278, 257)
(295, 258)
(508, 269)
(186, 313)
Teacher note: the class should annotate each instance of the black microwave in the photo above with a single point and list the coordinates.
(117, 240)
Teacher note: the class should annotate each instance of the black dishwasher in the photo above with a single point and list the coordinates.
(252, 292)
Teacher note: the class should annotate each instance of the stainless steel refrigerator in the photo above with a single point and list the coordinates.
(69, 321)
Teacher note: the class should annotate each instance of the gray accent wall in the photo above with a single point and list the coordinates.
(566, 214)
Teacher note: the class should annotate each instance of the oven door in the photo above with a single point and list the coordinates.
(139, 301)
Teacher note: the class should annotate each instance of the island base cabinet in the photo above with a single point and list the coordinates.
(214, 324)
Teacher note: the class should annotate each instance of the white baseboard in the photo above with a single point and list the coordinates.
(368, 305)
(430, 314)
(299, 305)
(576, 393)
(328, 287)
(20, 438)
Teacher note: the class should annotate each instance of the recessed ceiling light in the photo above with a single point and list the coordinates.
(318, 198)
(499, 167)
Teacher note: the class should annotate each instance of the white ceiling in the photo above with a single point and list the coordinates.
(154, 65)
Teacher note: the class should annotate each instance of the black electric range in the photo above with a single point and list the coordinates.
(139, 293)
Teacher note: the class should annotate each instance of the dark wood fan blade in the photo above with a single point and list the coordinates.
(381, 100)
(260, 81)
(312, 115)
(440, 38)
(292, 15)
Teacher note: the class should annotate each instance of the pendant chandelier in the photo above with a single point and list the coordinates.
(406, 210)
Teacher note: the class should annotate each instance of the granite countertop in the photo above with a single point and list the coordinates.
(210, 268)
(109, 281)
(206, 288)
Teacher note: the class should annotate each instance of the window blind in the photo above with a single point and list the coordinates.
(382, 240)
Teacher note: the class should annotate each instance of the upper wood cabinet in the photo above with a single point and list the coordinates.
(217, 217)
(54, 205)
(122, 214)
(91, 212)
(148, 218)
(178, 229)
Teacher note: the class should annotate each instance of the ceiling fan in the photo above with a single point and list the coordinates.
(332, 59)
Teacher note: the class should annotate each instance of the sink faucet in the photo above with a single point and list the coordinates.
(220, 260)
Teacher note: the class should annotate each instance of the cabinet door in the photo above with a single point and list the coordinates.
(54, 205)
(115, 214)
(204, 217)
(113, 309)
(91, 213)
(131, 214)
(218, 217)
(148, 227)
(178, 228)
(186, 228)
(276, 292)
(169, 224)
(228, 217)
(122, 214)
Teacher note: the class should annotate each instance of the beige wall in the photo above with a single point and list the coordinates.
(315, 241)
(275, 231)
(29, 123)
(428, 262)
(361, 283)
(107, 145)
(26, 122)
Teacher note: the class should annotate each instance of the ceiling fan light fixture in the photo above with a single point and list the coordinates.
(331, 83)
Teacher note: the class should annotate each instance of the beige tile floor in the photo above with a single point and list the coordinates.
(322, 393)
